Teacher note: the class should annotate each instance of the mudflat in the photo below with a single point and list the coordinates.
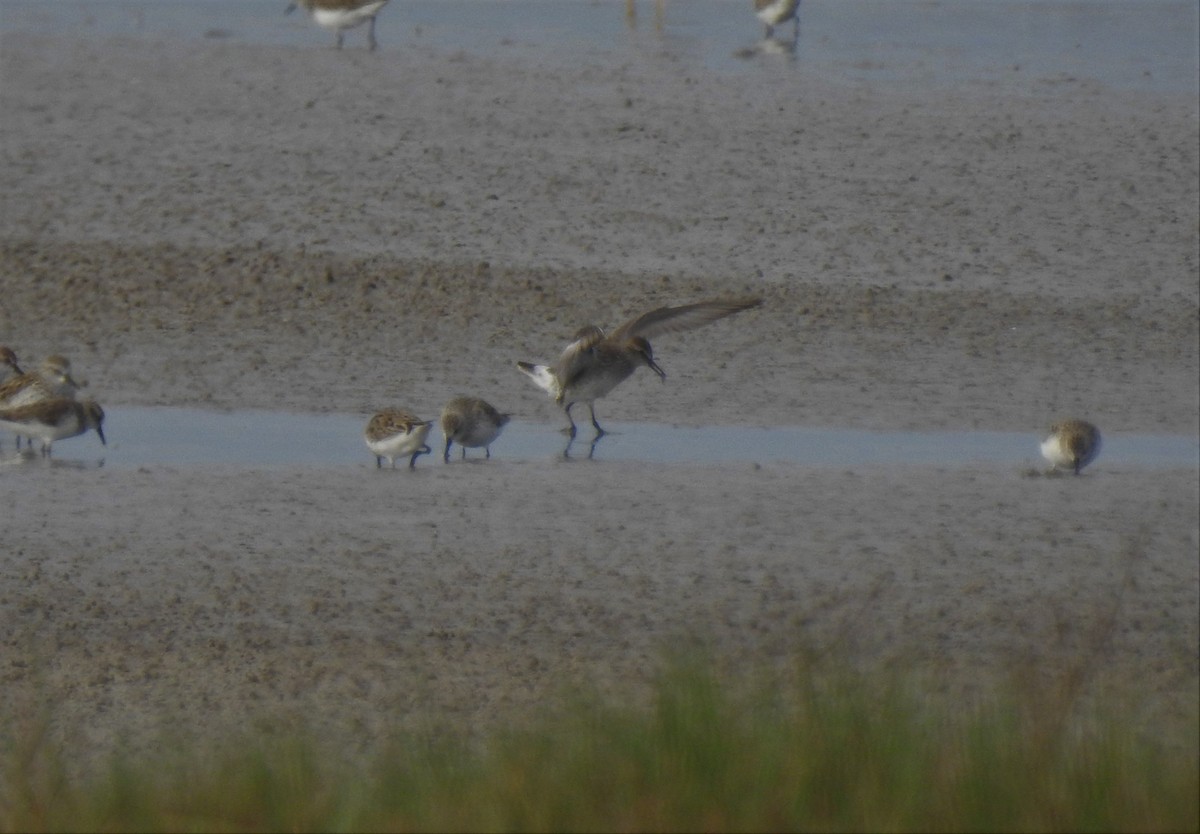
(242, 226)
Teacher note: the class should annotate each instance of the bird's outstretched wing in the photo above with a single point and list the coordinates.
(686, 317)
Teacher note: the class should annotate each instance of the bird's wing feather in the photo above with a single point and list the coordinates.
(392, 421)
(577, 355)
(689, 316)
(490, 413)
(49, 411)
(15, 384)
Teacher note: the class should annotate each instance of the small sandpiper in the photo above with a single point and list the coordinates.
(595, 363)
(50, 380)
(471, 422)
(340, 15)
(394, 433)
(1072, 444)
(54, 419)
(774, 12)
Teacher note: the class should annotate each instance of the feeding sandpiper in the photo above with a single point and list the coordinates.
(471, 422)
(774, 12)
(595, 363)
(1072, 444)
(340, 15)
(51, 379)
(54, 419)
(393, 433)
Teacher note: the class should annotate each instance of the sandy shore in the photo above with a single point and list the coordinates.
(233, 226)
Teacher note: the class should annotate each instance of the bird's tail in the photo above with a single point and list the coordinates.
(541, 376)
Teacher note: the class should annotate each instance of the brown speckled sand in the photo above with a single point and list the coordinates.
(234, 226)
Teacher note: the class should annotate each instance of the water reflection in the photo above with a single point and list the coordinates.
(660, 14)
(591, 446)
(29, 459)
(769, 48)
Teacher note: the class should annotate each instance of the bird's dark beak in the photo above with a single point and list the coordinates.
(654, 367)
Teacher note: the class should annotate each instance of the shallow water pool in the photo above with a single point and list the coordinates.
(162, 436)
(1129, 44)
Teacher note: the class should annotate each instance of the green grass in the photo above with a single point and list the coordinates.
(816, 749)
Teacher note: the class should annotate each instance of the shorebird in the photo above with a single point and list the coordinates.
(54, 419)
(1072, 444)
(51, 379)
(470, 421)
(340, 15)
(8, 364)
(595, 362)
(774, 12)
(393, 433)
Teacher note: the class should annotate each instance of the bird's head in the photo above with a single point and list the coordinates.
(642, 348)
(94, 415)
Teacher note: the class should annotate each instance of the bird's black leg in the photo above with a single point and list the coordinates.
(599, 431)
(571, 430)
(446, 454)
(412, 462)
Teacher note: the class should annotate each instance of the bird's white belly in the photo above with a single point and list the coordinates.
(1053, 451)
(68, 426)
(595, 386)
(777, 12)
(345, 18)
(399, 444)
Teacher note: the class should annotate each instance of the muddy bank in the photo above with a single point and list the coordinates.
(240, 328)
(374, 601)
